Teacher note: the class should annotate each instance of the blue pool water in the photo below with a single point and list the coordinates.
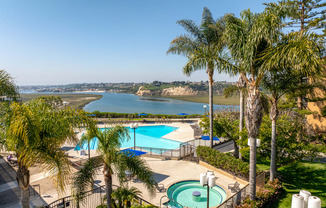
(146, 136)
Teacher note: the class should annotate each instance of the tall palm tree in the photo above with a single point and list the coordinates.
(248, 46)
(114, 162)
(295, 54)
(204, 48)
(248, 37)
(35, 132)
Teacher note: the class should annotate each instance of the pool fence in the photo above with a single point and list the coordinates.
(92, 198)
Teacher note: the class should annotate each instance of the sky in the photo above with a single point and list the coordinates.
(49, 42)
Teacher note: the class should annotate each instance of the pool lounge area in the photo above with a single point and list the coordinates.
(146, 136)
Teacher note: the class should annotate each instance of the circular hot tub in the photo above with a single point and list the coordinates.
(191, 194)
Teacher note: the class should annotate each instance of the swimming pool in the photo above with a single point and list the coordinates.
(146, 136)
(182, 193)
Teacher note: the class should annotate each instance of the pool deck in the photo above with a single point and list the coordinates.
(166, 172)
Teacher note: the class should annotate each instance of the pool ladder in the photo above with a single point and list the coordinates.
(170, 203)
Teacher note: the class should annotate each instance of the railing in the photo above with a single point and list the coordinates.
(185, 149)
(236, 198)
(91, 198)
(32, 190)
(170, 153)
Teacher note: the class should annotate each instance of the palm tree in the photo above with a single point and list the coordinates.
(204, 49)
(300, 54)
(247, 39)
(248, 47)
(35, 132)
(124, 195)
(8, 89)
(114, 162)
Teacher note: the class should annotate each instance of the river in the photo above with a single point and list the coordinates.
(130, 103)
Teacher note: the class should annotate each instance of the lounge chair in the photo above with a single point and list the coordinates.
(160, 187)
(234, 187)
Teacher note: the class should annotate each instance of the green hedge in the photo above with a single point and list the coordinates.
(224, 161)
(99, 114)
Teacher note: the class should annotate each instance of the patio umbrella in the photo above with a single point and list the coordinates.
(208, 138)
(183, 114)
(132, 153)
(142, 114)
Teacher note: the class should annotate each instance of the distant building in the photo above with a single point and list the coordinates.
(317, 120)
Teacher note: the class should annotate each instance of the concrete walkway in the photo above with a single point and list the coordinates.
(9, 190)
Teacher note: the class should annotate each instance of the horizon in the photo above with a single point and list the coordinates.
(50, 85)
(59, 43)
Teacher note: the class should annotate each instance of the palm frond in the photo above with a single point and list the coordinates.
(84, 178)
(139, 167)
(191, 27)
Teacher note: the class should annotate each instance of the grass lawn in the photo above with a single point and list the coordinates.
(310, 176)
(218, 99)
(77, 101)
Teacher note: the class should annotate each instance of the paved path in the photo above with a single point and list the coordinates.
(225, 147)
(9, 190)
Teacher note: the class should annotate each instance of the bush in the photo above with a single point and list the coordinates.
(224, 161)
(265, 197)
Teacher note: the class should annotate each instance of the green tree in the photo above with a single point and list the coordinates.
(204, 48)
(35, 132)
(249, 37)
(124, 195)
(114, 162)
(306, 15)
(289, 148)
(55, 101)
(8, 89)
(277, 83)
(226, 125)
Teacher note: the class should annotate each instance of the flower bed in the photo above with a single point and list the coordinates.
(266, 196)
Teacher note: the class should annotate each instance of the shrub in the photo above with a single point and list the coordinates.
(266, 196)
(224, 161)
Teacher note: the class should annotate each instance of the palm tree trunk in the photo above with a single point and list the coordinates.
(236, 150)
(22, 178)
(273, 116)
(241, 117)
(241, 84)
(253, 121)
(108, 185)
(211, 83)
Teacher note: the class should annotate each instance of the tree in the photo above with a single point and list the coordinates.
(204, 48)
(35, 132)
(307, 15)
(289, 148)
(8, 89)
(277, 83)
(248, 38)
(294, 55)
(55, 101)
(226, 126)
(114, 162)
(124, 196)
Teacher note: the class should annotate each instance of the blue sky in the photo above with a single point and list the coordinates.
(87, 41)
